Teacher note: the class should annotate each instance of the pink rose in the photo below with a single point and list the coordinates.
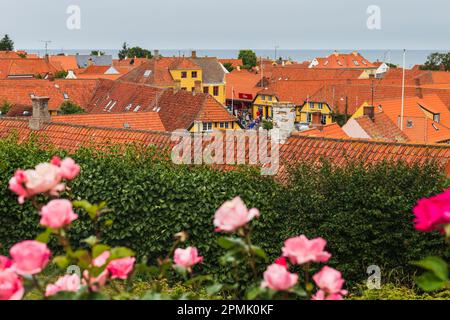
(301, 250)
(321, 295)
(101, 259)
(5, 263)
(282, 262)
(120, 268)
(278, 278)
(16, 185)
(232, 215)
(432, 213)
(57, 214)
(67, 283)
(11, 287)
(69, 169)
(29, 257)
(45, 177)
(95, 283)
(186, 258)
(330, 281)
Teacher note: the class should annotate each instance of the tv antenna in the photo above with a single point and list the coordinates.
(46, 43)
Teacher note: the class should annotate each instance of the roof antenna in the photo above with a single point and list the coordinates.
(46, 43)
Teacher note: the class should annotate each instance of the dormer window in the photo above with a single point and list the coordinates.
(356, 63)
(437, 118)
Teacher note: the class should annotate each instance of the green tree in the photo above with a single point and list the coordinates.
(60, 74)
(436, 61)
(228, 66)
(134, 52)
(248, 58)
(6, 44)
(97, 53)
(69, 107)
(5, 106)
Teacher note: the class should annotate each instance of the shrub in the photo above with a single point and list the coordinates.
(392, 292)
(364, 213)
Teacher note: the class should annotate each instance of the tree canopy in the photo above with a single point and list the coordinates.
(97, 53)
(134, 52)
(249, 59)
(69, 107)
(6, 44)
(437, 61)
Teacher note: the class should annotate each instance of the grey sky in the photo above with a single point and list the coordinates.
(228, 24)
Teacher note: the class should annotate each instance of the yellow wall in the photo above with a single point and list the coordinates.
(310, 107)
(221, 96)
(265, 102)
(360, 111)
(198, 126)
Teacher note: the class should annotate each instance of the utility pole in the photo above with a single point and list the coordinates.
(46, 43)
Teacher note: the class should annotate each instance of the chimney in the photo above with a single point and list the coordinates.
(177, 86)
(198, 86)
(283, 115)
(419, 92)
(194, 54)
(156, 54)
(370, 112)
(40, 114)
(46, 58)
(316, 120)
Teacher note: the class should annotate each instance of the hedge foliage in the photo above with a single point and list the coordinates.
(364, 213)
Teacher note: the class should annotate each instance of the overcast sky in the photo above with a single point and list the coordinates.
(228, 24)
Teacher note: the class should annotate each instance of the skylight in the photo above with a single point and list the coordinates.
(137, 108)
(147, 73)
(356, 63)
(128, 107)
(66, 96)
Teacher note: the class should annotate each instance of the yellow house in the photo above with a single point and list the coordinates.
(262, 105)
(304, 113)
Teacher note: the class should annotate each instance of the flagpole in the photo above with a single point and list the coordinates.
(403, 90)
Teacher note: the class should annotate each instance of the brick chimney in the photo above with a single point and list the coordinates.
(283, 115)
(194, 54)
(40, 114)
(419, 92)
(198, 86)
(370, 112)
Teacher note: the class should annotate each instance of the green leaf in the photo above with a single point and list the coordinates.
(214, 289)
(228, 243)
(299, 291)
(98, 249)
(61, 261)
(430, 282)
(435, 265)
(44, 237)
(260, 253)
(254, 292)
(121, 252)
(91, 241)
(83, 257)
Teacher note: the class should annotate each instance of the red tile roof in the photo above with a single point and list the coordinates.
(66, 62)
(332, 130)
(242, 85)
(26, 67)
(296, 92)
(292, 72)
(234, 62)
(344, 61)
(138, 121)
(381, 128)
(20, 91)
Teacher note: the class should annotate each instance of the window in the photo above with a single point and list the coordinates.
(356, 63)
(207, 126)
(216, 91)
(184, 74)
(184, 88)
(222, 125)
(66, 96)
(409, 124)
(147, 73)
(320, 106)
(311, 105)
(436, 118)
(309, 117)
(324, 119)
(194, 74)
(128, 107)
(226, 125)
(137, 108)
(270, 98)
(263, 97)
(205, 89)
(193, 89)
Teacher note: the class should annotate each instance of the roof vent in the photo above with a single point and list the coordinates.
(126, 125)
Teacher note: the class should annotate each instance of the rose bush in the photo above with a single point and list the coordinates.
(101, 270)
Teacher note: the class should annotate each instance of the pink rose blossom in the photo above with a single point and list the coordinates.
(67, 283)
(45, 177)
(69, 169)
(57, 214)
(16, 185)
(29, 257)
(11, 287)
(432, 213)
(95, 283)
(330, 281)
(322, 295)
(5, 263)
(278, 278)
(282, 262)
(232, 215)
(186, 258)
(101, 259)
(120, 268)
(301, 250)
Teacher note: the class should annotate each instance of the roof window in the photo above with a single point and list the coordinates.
(66, 96)
(137, 108)
(128, 107)
(147, 73)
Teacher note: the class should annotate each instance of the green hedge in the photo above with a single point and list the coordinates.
(364, 213)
